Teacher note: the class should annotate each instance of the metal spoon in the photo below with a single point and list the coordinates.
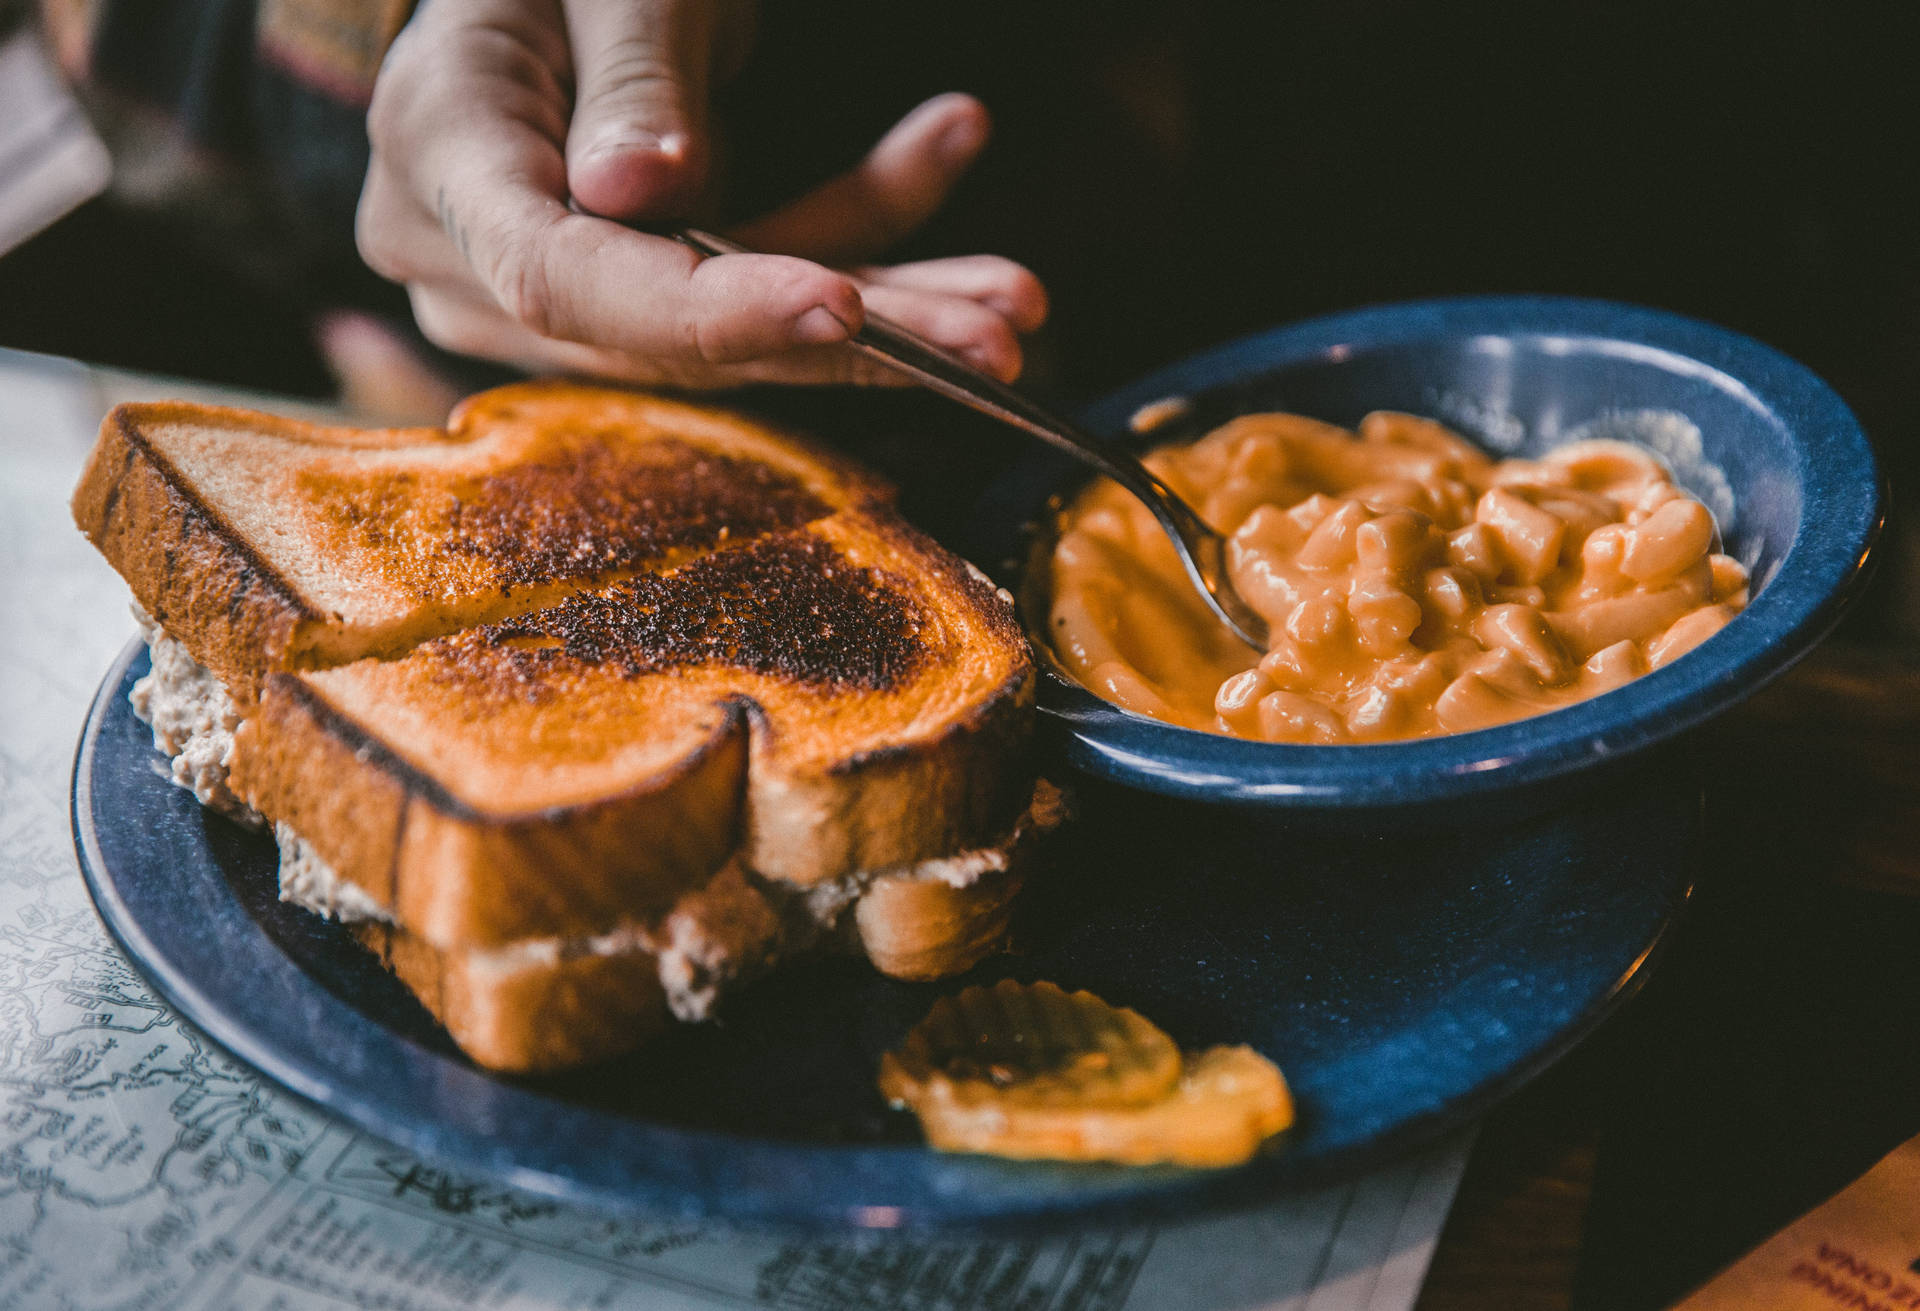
(1202, 550)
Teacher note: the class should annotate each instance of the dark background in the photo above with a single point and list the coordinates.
(1177, 173)
(1181, 173)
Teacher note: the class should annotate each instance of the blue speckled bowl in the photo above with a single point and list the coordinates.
(1767, 445)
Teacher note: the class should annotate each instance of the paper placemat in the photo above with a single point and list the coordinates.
(1860, 1248)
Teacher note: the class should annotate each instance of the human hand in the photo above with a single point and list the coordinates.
(490, 115)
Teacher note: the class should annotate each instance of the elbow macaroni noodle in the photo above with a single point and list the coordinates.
(1414, 586)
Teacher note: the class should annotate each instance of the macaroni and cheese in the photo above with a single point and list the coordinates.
(1414, 585)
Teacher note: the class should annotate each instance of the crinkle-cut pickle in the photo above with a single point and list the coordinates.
(1038, 1045)
(1035, 1072)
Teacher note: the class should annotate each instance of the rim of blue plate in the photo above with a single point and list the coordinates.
(1844, 497)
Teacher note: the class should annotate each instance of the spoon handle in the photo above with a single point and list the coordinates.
(944, 372)
(1200, 547)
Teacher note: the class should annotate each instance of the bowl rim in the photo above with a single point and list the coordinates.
(1823, 569)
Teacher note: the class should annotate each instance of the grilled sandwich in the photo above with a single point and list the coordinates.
(584, 709)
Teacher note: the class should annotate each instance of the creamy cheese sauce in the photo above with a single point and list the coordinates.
(1414, 586)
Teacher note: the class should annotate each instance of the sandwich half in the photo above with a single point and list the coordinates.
(583, 710)
(264, 544)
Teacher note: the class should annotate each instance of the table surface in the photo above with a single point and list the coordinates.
(1770, 1061)
(1766, 1065)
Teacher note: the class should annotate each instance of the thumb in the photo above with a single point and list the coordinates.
(637, 144)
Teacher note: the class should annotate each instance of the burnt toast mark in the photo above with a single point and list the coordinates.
(986, 716)
(594, 505)
(789, 606)
(198, 517)
(118, 484)
(400, 823)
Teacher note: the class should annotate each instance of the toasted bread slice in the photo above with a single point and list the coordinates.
(544, 1004)
(923, 929)
(266, 544)
(847, 696)
(528, 1012)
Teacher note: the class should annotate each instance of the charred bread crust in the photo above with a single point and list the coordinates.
(242, 618)
(187, 568)
(896, 806)
(915, 800)
(531, 1017)
(455, 874)
(863, 488)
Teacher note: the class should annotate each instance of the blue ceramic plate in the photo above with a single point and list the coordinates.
(1403, 982)
(1769, 447)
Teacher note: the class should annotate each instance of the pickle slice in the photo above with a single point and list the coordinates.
(1229, 1101)
(1031, 1045)
(1035, 1072)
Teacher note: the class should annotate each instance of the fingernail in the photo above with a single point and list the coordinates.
(960, 141)
(818, 327)
(992, 362)
(673, 144)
